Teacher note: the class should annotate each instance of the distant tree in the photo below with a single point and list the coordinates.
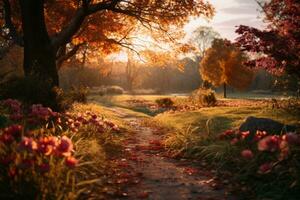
(132, 72)
(223, 65)
(202, 39)
(277, 48)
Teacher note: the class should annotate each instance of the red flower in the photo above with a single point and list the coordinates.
(284, 150)
(234, 141)
(247, 154)
(244, 135)
(14, 130)
(269, 143)
(28, 144)
(265, 168)
(41, 112)
(259, 135)
(71, 162)
(12, 172)
(13, 104)
(6, 138)
(292, 138)
(47, 145)
(64, 146)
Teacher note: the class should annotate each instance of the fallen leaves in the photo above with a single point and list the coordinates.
(190, 171)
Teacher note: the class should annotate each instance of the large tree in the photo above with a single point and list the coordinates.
(49, 29)
(277, 48)
(223, 65)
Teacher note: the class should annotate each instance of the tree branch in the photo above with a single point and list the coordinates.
(68, 31)
(66, 55)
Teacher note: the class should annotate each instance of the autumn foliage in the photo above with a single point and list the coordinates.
(224, 64)
(277, 47)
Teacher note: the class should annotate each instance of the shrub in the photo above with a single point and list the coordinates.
(114, 90)
(78, 94)
(165, 102)
(206, 97)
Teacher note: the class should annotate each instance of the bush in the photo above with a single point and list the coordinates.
(78, 94)
(114, 90)
(206, 97)
(165, 102)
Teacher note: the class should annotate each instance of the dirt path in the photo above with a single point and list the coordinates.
(163, 178)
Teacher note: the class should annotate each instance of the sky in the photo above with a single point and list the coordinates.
(229, 14)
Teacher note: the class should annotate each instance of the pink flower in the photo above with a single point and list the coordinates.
(14, 130)
(265, 168)
(115, 128)
(292, 138)
(65, 146)
(109, 123)
(6, 138)
(269, 143)
(71, 162)
(28, 144)
(244, 135)
(284, 150)
(247, 154)
(44, 168)
(234, 141)
(13, 104)
(259, 135)
(38, 111)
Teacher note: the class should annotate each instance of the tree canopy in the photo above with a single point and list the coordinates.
(277, 48)
(103, 25)
(223, 64)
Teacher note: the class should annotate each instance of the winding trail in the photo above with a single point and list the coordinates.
(163, 178)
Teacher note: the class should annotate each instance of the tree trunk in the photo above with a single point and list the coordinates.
(39, 54)
(225, 90)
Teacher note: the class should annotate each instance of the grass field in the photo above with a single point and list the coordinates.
(217, 119)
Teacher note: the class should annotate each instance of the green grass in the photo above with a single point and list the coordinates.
(220, 119)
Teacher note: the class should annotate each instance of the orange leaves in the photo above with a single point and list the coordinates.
(77, 40)
(223, 63)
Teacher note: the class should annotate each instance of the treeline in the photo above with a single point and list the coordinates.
(160, 80)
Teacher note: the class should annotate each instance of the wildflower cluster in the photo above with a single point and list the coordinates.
(267, 150)
(31, 150)
(87, 120)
